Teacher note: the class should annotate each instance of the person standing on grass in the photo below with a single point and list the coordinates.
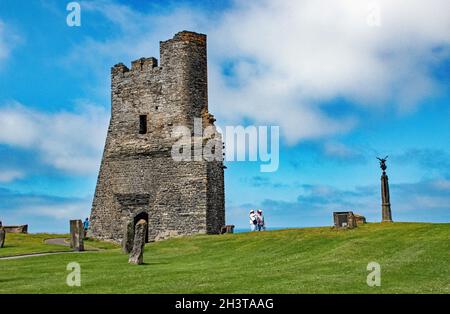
(260, 220)
(86, 226)
(253, 220)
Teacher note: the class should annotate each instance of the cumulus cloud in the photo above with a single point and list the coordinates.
(137, 34)
(42, 212)
(10, 175)
(278, 62)
(432, 159)
(260, 181)
(343, 152)
(290, 56)
(4, 49)
(68, 141)
(8, 39)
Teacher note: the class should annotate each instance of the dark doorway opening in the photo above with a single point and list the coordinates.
(144, 216)
(342, 220)
(142, 124)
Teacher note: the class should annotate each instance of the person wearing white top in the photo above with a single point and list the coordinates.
(253, 221)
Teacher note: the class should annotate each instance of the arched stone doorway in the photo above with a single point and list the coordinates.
(142, 215)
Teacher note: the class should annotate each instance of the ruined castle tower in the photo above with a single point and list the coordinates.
(138, 177)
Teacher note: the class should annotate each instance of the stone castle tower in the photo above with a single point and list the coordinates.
(138, 177)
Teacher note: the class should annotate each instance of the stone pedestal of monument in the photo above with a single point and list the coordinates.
(76, 235)
(385, 199)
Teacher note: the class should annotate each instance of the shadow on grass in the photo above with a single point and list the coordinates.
(153, 263)
(6, 246)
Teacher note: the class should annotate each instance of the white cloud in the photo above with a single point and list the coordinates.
(307, 52)
(288, 58)
(10, 175)
(4, 51)
(338, 149)
(138, 34)
(8, 39)
(442, 184)
(68, 141)
(43, 213)
(67, 211)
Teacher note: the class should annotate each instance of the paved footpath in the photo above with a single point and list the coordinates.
(57, 241)
(39, 254)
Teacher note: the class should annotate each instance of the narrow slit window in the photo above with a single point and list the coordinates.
(142, 124)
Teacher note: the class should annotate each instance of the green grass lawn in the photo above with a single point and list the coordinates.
(20, 244)
(414, 258)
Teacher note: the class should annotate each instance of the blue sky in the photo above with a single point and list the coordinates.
(342, 88)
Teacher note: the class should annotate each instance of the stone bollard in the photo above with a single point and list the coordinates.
(2, 237)
(227, 229)
(76, 235)
(128, 237)
(137, 254)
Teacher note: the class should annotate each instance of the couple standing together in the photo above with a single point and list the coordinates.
(257, 220)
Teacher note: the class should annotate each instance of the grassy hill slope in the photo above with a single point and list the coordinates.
(414, 258)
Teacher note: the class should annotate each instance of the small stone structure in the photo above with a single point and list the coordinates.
(16, 229)
(360, 220)
(227, 229)
(2, 237)
(76, 235)
(138, 178)
(137, 253)
(345, 220)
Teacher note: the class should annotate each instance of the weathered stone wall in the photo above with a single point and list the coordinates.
(16, 229)
(215, 197)
(137, 173)
(344, 220)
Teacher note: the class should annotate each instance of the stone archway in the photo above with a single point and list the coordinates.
(142, 215)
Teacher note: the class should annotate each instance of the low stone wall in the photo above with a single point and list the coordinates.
(360, 220)
(16, 229)
(227, 229)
